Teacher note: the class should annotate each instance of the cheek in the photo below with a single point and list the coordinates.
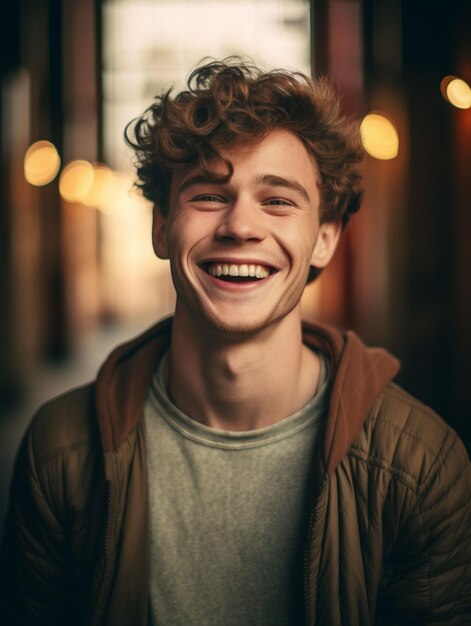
(177, 229)
(308, 238)
(299, 241)
(187, 231)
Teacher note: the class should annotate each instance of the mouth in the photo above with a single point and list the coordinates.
(239, 273)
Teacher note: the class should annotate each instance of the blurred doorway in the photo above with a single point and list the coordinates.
(148, 46)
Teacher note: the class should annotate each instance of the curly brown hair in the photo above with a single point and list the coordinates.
(233, 102)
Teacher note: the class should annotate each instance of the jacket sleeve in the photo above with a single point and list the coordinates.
(430, 577)
(32, 571)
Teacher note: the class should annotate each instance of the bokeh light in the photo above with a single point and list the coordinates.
(41, 163)
(456, 91)
(379, 136)
(103, 187)
(76, 181)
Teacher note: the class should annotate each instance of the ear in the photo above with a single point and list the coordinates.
(159, 233)
(326, 244)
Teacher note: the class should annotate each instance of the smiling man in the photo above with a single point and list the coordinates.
(233, 465)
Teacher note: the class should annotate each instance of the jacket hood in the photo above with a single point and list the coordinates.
(359, 374)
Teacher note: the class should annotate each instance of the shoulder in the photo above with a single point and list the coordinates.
(63, 424)
(58, 463)
(56, 506)
(408, 439)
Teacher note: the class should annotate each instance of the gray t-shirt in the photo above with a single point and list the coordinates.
(228, 515)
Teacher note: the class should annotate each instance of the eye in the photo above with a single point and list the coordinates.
(279, 202)
(208, 197)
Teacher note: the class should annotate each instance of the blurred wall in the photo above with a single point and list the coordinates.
(407, 53)
(49, 91)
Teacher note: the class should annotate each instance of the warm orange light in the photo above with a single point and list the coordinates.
(457, 92)
(379, 136)
(76, 181)
(103, 186)
(41, 163)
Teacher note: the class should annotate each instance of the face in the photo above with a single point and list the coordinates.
(240, 251)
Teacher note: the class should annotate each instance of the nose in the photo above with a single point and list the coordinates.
(241, 222)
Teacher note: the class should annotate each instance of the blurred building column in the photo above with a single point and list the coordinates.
(336, 48)
(82, 70)
(10, 371)
(37, 274)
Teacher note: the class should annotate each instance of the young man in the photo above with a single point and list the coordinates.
(233, 466)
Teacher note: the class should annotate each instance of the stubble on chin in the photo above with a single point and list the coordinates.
(233, 331)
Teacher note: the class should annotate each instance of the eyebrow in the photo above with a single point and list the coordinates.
(194, 180)
(272, 180)
(279, 181)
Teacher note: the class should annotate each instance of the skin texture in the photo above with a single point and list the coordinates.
(237, 358)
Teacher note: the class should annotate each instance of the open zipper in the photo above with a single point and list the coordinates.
(99, 603)
(322, 480)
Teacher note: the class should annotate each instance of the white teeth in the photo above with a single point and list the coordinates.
(220, 269)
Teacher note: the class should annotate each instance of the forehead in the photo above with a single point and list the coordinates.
(278, 153)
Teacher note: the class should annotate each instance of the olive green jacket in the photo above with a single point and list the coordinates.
(389, 532)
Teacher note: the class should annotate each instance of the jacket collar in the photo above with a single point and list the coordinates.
(359, 374)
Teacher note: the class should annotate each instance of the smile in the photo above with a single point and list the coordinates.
(244, 272)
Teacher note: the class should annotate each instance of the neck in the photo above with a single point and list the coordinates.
(241, 383)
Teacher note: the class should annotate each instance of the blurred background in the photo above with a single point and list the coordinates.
(77, 271)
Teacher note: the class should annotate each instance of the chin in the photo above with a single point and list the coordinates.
(235, 328)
